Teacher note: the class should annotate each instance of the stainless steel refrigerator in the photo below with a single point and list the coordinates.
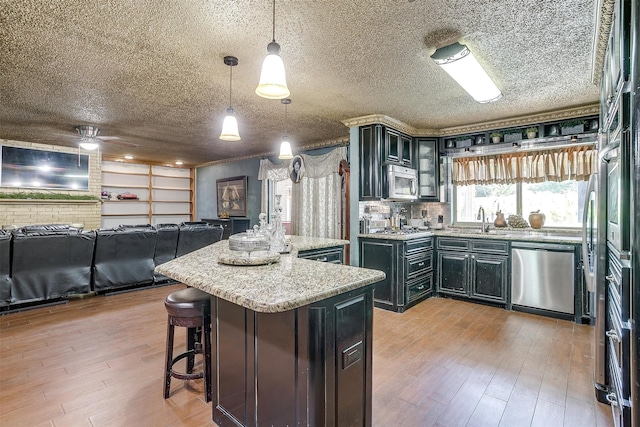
(612, 237)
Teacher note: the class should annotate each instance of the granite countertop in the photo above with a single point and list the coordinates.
(290, 283)
(527, 235)
(389, 236)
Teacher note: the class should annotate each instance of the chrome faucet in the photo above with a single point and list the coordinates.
(482, 216)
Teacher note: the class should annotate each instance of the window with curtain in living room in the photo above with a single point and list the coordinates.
(553, 181)
(314, 203)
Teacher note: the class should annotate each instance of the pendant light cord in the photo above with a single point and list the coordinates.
(274, 20)
(230, 80)
(285, 119)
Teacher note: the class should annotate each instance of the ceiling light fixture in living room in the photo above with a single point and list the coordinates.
(285, 146)
(230, 123)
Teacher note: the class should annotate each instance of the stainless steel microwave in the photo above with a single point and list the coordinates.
(399, 183)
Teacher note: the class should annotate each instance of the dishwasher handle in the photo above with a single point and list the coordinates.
(543, 246)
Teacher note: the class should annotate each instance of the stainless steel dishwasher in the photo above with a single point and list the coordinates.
(542, 276)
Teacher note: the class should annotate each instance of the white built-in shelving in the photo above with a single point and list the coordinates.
(165, 194)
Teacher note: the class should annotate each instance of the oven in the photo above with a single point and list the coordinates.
(615, 158)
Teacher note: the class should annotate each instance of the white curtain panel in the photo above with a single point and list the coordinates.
(316, 210)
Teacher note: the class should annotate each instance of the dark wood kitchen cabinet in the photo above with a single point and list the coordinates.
(370, 165)
(381, 145)
(408, 265)
(398, 148)
(473, 268)
(428, 165)
(334, 255)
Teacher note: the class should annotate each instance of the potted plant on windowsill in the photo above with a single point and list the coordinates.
(531, 132)
(572, 127)
(495, 137)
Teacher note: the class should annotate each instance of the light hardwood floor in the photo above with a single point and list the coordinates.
(99, 362)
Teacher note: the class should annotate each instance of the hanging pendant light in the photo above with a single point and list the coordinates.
(230, 124)
(285, 146)
(273, 82)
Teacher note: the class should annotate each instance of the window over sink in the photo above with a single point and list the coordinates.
(561, 202)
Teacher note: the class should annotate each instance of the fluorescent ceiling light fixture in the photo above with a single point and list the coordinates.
(178, 162)
(230, 124)
(128, 156)
(273, 81)
(458, 61)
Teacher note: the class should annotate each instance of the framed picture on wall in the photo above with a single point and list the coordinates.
(232, 196)
(296, 169)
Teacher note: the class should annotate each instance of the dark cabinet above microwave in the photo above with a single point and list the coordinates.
(381, 145)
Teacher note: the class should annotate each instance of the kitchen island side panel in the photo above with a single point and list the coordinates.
(308, 366)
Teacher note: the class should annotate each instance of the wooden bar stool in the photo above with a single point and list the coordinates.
(189, 308)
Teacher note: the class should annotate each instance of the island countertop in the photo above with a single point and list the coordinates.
(290, 283)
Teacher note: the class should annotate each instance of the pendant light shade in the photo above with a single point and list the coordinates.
(273, 81)
(285, 149)
(230, 123)
(230, 127)
(458, 61)
(285, 146)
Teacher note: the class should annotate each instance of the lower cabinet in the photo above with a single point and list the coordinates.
(334, 255)
(408, 265)
(477, 269)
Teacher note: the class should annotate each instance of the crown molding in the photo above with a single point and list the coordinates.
(604, 18)
(342, 141)
(566, 113)
(530, 119)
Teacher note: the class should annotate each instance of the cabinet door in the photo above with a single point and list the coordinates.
(428, 168)
(452, 272)
(370, 171)
(382, 256)
(489, 278)
(393, 147)
(406, 149)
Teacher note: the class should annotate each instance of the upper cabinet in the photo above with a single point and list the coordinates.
(370, 165)
(381, 145)
(426, 156)
(398, 148)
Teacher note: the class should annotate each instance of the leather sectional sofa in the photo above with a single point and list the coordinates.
(39, 264)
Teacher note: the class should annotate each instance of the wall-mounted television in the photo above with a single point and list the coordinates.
(41, 169)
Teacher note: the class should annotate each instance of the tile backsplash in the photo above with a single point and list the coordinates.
(379, 210)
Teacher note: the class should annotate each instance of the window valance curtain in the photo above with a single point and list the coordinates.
(314, 166)
(559, 164)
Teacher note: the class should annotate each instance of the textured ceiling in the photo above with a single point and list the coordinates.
(152, 73)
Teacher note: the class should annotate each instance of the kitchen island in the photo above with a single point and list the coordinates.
(291, 340)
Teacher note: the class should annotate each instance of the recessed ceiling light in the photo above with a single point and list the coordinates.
(179, 162)
(128, 156)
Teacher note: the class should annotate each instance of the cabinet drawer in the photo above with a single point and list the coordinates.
(490, 246)
(416, 265)
(417, 245)
(419, 287)
(332, 255)
(453, 244)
